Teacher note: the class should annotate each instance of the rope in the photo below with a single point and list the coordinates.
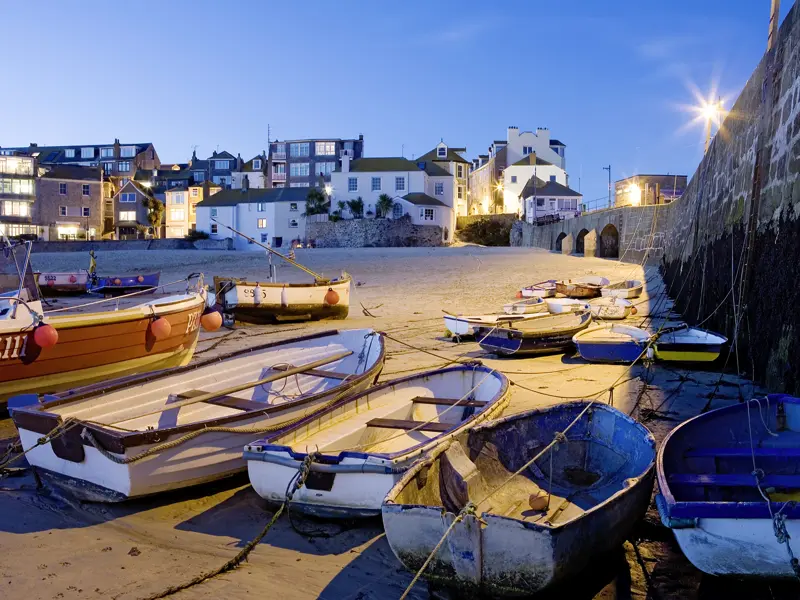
(116, 298)
(53, 434)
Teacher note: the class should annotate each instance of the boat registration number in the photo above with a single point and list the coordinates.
(49, 277)
(13, 346)
(251, 293)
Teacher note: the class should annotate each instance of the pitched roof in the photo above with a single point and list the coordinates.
(366, 165)
(546, 188)
(420, 199)
(253, 195)
(452, 155)
(224, 155)
(526, 161)
(248, 166)
(56, 154)
(557, 143)
(144, 190)
(73, 172)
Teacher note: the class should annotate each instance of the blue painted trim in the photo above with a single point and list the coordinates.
(294, 463)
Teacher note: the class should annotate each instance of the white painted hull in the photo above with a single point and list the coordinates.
(525, 307)
(539, 290)
(611, 308)
(626, 290)
(557, 306)
(743, 547)
(459, 325)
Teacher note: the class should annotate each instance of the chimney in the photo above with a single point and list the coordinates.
(245, 184)
(346, 163)
(513, 132)
(34, 145)
(155, 172)
(116, 147)
(543, 133)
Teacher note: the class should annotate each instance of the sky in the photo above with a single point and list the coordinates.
(611, 80)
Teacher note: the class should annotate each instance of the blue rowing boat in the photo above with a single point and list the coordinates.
(523, 531)
(542, 335)
(612, 343)
(729, 484)
(125, 284)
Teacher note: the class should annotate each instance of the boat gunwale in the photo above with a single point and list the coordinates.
(683, 509)
(585, 315)
(609, 327)
(346, 280)
(39, 420)
(497, 402)
(688, 328)
(646, 475)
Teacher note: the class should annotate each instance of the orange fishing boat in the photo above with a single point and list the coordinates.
(43, 353)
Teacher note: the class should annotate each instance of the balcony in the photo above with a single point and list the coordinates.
(279, 176)
(350, 153)
(278, 155)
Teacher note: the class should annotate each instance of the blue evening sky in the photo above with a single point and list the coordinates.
(607, 78)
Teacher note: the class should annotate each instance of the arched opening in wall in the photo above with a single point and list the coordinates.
(609, 242)
(560, 241)
(579, 241)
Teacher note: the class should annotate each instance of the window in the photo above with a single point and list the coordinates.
(300, 149)
(261, 206)
(397, 210)
(62, 211)
(62, 189)
(85, 189)
(279, 168)
(213, 212)
(108, 167)
(438, 189)
(426, 214)
(256, 164)
(277, 242)
(106, 153)
(128, 151)
(293, 206)
(178, 198)
(324, 168)
(399, 184)
(441, 152)
(222, 179)
(87, 152)
(262, 223)
(15, 209)
(221, 165)
(127, 215)
(123, 166)
(513, 179)
(298, 170)
(352, 184)
(69, 153)
(527, 150)
(325, 149)
(459, 171)
(127, 197)
(552, 177)
(292, 223)
(198, 176)
(195, 192)
(16, 186)
(376, 184)
(540, 202)
(300, 184)
(85, 211)
(263, 238)
(177, 214)
(123, 182)
(213, 225)
(460, 192)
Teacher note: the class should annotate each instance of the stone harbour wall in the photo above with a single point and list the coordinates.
(114, 245)
(372, 233)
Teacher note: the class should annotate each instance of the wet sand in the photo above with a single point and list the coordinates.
(53, 547)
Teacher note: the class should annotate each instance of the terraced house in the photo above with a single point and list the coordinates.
(453, 161)
(309, 163)
(17, 193)
(181, 207)
(69, 202)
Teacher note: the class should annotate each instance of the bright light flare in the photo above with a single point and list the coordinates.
(634, 194)
(328, 189)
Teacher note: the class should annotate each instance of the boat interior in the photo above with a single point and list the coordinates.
(399, 417)
(554, 322)
(711, 459)
(604, 449)
(127, 409)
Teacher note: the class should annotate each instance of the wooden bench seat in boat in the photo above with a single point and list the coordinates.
(734, 480)
(742, 452)
(448, 401)
(226, 401)
(315, 372)
(406, 424)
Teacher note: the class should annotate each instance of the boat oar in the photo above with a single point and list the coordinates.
(275, 252)
(242, 386)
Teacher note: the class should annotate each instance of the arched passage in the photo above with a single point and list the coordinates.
(609, 242)
(560, 241)
(579, 241)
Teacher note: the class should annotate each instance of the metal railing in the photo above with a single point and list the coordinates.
(279, 176)
(278, 156)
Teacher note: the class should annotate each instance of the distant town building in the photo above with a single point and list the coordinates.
(270, 216)
(641, 190)
(18, 187)
(255, 170)
(546, 201)
(309, 163)
(420, 189)
(181, 207)
(69, 202)
(453, 161)
(217, 168)
(130, 212)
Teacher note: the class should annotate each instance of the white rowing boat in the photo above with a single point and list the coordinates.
(556, 306)
(529, 306)
(611, 307)
(623, 289)
(458, 325)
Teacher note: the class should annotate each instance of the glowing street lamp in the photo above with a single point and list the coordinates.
(711, 112)
(634, 194)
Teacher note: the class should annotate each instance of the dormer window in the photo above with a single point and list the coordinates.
(441, 152)
(128, 151)
(87, 152)
(69, 153)
(256, 164)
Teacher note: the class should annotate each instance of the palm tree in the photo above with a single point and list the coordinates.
(342, 205)
(356, 207)
(384, 205)
(316, 203)
(155, 213)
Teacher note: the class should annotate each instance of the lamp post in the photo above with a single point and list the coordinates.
(711, 111)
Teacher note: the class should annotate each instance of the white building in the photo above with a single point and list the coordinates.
(422, 190)
(271, 216)
(517, 175)
(255, 170)
(539, 143)
(546, 201)
(452, 160)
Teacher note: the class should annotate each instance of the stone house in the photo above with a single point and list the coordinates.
(69, 202)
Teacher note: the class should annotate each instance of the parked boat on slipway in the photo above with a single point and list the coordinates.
(588, 286)
(547, 334)
(363, 444)
(187, 426)
(528, 530)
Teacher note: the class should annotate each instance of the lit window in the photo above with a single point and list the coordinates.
(460, 170)
(441, 152)
(85, 189)
(69, 153)
(293, 206)
(292, 223)
(298, 170)
(124, 166)
(299, 149)
(426, 214)
(178, 198)
(214, 213)
(127, 197)
(399, 184)
(261, 206)
(256, 164)
(213, 225)
(15, 209)
(62, 189)
(460, 192)
(300, 184)
(352, 184)
(128, 151)
(325, 149)
(85, 211)
(438, 189)
(127, 215)
(221, 165)
(376, 184)
(87, 152)
(262, 223)
(106, 153)
(177, 214)
(62, 211)
(195, 192)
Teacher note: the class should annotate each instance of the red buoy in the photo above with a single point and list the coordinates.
(72, 279)
(519, 294)
(45, 336)
(160, 328)
(633, 310)
(51, 283)
(211, 319)
(140, 279)
(117, 281)
(331, 297)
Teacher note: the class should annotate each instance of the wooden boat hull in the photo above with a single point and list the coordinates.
(530, 306)
(282, 302)
(544, 289)
(518, 551)
(120, 285)
(78, 466)
(466, 325)
(518, 342)
(577, 290)
(96, 346)
(708, 494)
(63, 284)
(684, 346)
(354, 475)
(625, 289)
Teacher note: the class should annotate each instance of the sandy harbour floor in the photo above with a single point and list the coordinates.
(53, 547)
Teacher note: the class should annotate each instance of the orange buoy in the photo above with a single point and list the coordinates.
(633, 310)
(51, 283)
(72, 279)
(519, 294)
(331, 297)
(45, 336)
(140, 279)
(117, 281)
(160, 328)
(211, 320)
